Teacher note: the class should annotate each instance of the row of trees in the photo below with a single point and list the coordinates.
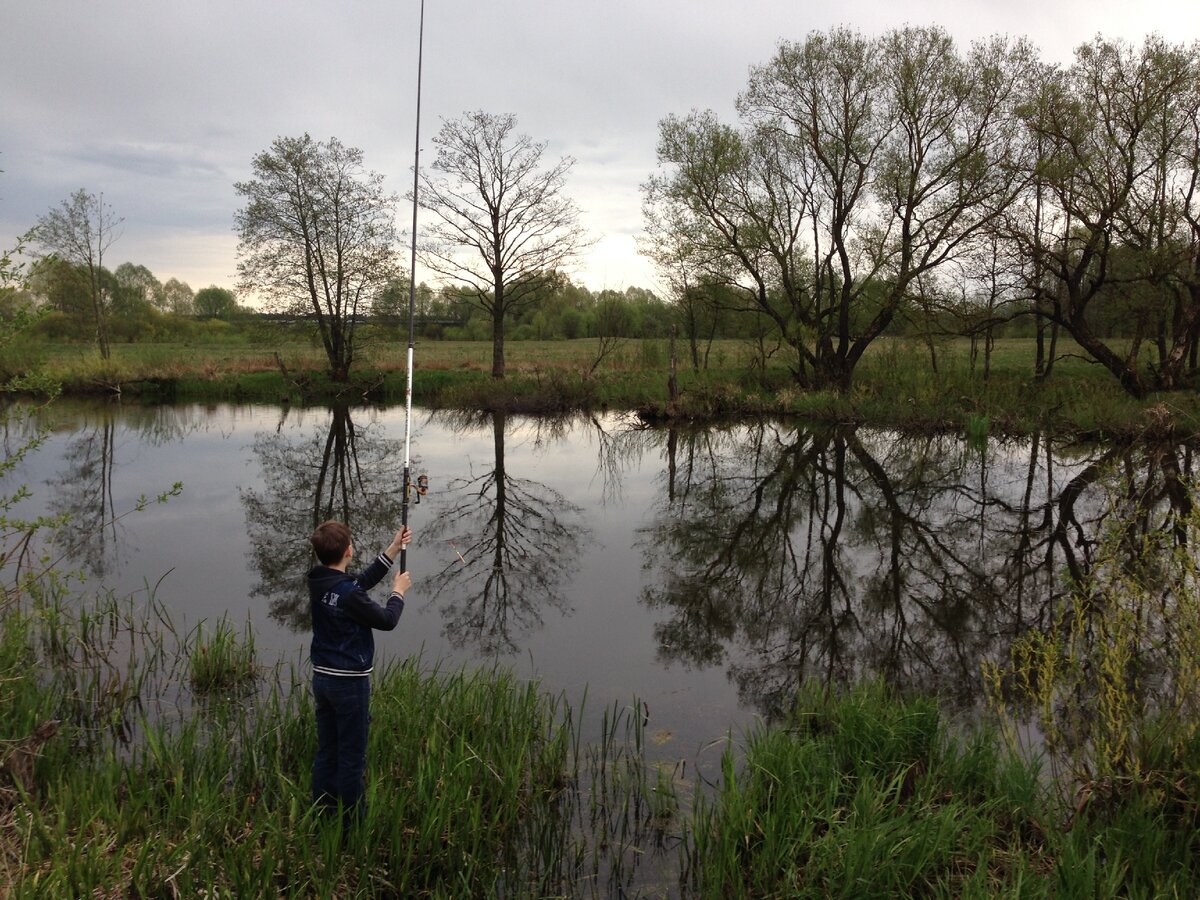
(71, 284)
(317, 236)
(137, 306)
(560, 309)
(867, 176)
(318, 233)
(868, 182)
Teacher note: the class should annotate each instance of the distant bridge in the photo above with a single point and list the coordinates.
(293, 318)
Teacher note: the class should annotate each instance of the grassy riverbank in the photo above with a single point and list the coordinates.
(895, 386)
(126, 769)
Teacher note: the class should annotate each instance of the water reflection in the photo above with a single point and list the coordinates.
(765, 553)
(514, 540)
(105, 438)
(789, 554)
(335, 470)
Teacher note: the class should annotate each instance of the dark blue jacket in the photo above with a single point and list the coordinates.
(343, 616)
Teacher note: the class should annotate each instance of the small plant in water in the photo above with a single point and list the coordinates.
(976, 430)
(224, 661)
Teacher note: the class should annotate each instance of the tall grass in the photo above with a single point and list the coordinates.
(867, 795)
(117, 778)
(1112, 685)
(223, 661)
(148, 782)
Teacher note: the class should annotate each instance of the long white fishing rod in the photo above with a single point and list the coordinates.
(412, 294)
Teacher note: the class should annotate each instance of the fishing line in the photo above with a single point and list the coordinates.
(412, 294)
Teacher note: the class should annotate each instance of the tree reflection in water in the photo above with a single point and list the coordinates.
(788, 554)
(515, 541)
(83, 492)
(336, 470)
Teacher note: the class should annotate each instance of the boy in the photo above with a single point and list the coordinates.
(343, 653)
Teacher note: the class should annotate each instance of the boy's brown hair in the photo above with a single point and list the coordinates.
(330, 541)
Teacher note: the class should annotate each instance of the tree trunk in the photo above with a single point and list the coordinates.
(1124, 369)
(497, 343)
(672, 380)
(98, 311)
(1039, 355)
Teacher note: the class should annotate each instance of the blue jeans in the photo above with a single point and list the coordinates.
(340, 765)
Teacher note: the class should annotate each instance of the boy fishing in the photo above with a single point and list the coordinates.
(343, 654)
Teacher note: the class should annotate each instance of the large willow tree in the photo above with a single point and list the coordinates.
(859, 167)
(867, 176)
(1109, 227)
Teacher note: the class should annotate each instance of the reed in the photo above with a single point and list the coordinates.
(119, 778)
(223, 661)
(866, 796)
(147, 775)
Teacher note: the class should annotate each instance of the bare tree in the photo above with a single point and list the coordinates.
(317, 235)
(504, 226)
(80, 231)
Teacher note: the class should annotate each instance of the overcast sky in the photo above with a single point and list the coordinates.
(161, 105)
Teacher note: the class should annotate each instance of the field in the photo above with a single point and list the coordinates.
(901, 382)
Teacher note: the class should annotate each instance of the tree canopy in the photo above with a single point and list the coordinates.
(868, 177)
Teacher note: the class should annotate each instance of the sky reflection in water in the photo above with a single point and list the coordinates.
(706, 572)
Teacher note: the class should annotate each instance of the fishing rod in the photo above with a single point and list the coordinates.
(412, 295)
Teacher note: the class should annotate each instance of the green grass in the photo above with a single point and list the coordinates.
(870, 795)
(157, 780)
(479, 785)
(223, 661)
(866, 796)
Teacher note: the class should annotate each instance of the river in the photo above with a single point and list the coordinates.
(703, 571)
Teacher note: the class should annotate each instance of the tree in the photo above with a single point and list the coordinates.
(139, 288)
(862, 166)
(10, 266)
(215, 302)
(80, 232)
(178, 296)
(1116, 137)
(504, 226)
(61, 286)
(317, 235)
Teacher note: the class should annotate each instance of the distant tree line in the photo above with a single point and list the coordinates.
(139, 307)
(133, 304)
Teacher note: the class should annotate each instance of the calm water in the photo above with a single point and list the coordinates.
(705, 572)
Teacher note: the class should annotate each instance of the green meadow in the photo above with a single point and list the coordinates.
(902, 382)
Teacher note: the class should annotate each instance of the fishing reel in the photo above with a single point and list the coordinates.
(419, 489)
